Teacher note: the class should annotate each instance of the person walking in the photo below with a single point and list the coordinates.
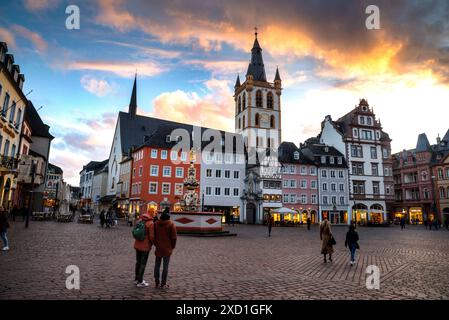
(425, 224)
(270, 222)
(165, 241)
(446, 223)
(402, 223)
(102, 218)
(309, 222)
(4, 225)
(352, 238)
(326, 237)
(143, 247)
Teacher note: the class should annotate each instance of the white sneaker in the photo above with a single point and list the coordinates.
(352, 263)
(143, 284)
(5, 249)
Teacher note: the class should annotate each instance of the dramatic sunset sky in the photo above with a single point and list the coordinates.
(188, 53)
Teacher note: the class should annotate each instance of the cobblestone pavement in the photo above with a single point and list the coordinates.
(414, 264)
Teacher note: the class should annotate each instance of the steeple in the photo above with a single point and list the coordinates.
(237, 82)
(133, 102)
(277, 77)
(256, 67)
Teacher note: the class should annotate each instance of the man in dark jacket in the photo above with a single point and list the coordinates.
(4, 225)
(309, 222)
(165, 242)
(351, 241)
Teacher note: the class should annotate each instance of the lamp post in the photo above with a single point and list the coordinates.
(434, 204)
(30, 202)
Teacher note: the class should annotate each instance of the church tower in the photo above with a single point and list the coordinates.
(258, 104)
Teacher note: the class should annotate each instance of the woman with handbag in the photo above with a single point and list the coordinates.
(327, 240)
(351, 241)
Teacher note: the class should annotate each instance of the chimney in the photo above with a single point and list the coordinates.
(438, 139)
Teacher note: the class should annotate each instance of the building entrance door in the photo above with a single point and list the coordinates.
(251, 213)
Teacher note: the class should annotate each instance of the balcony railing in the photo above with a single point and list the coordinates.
(9, 163)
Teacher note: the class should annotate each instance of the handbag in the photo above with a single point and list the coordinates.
(332, 241)
(357, 246)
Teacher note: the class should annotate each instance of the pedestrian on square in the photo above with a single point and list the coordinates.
(165, 241)
(435, 224)
(326, 236)
(309, 222)
(270, 222)
(143, 248)
(4, 225)
(446, 223)
(402, 223)
(352, 238)
(425, 224)
(14, 212)
(102, 218)
(430, 224)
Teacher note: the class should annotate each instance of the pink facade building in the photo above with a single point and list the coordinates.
(299, 185)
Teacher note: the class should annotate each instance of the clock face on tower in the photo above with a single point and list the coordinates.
(265, 118)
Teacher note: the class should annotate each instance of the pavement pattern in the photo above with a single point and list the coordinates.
(414, 264)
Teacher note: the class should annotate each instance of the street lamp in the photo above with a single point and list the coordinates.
(30, 203)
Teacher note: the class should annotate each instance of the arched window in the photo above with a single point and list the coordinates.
(270, 100)
(244, 103)
(257, 120)
(244, 122)
(259, 99)
(442, 193)
(240, 105)
(272, 122)
(240, 123)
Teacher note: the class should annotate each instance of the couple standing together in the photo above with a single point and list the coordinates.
(328, 241)
(162, 234)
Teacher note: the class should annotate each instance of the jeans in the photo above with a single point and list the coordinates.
(4, 238)
(141, 263)
(157, 268)
(352, 248)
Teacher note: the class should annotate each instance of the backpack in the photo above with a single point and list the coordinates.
(139, 231)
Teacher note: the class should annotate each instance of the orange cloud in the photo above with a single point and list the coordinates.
(213, 110)
(220, 67)
(40, 44)
(98, 87)
(7, 37)
(123, 69)
(38, 5)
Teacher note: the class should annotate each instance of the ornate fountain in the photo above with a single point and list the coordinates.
(189, 219)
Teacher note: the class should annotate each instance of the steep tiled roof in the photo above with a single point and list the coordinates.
(286, 154)
(38, 127)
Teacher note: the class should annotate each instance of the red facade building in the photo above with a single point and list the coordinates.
(157, 176)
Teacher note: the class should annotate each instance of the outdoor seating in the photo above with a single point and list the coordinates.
(85, 218)
(64, 217)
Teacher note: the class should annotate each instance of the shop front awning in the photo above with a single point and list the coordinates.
(107, 199)
(283, 210)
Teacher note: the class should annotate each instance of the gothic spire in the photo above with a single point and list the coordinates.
(277, 77)
(256, 67)
(237, 82)
(133, 102)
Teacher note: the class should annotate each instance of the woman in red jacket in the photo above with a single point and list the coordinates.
(143, 248)
(165, 242)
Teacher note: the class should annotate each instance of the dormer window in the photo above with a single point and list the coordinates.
(323, 159)
(326, 149)
(368, 121)
(340, 160)
(362, 120)
(296, 155)
(167, 138)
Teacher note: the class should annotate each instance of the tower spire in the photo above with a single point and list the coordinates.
(132, 110)
(256, 67)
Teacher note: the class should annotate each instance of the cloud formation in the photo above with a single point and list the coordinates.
(215, 109)
(120, 68)
(39, 43)
(39, 5)
(98, 87)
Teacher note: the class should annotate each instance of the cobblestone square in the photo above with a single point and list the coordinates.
(414, 264)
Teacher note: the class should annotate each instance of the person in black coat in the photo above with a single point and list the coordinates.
(4, 225)
(102, 218)
(352, 238)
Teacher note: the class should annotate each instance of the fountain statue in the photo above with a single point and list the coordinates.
(190, 200)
